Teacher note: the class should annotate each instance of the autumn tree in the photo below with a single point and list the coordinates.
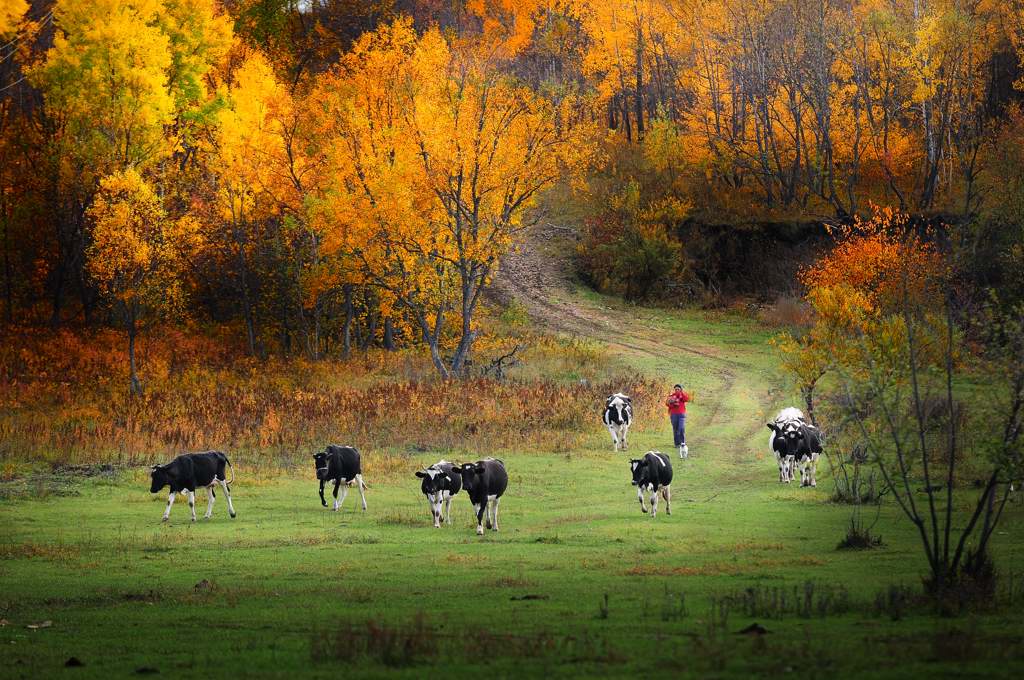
(436, 158)
(853, 290)
(884, 327)
(119, 84)
(243, 156)
(10, 14)
(137, 253)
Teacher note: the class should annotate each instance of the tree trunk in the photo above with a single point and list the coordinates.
(389, 335)
(8, 284)
(346, 350)
(136, 386)
(250, 321)
(638, 94)
(809, 403)
(435, 357)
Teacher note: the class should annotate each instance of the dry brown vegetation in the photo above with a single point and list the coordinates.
(63, 400)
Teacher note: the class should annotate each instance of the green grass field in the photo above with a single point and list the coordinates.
(577, 583)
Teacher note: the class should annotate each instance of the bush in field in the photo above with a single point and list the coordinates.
(632, 206)
(58, 402)
(636, 261)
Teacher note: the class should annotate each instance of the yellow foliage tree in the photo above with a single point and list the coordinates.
(137, 253)
(245, 155)
(435, 157)
(123, 87)
(10, 15)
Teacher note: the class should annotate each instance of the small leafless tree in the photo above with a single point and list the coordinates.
(904, 399)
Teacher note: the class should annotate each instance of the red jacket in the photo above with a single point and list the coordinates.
(676, 402)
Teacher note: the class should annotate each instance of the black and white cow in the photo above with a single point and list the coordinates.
(484, 481)
(653, 473)
(795, 443)
(788, 420)
(618, 416)
(438, 484)
(340, 464)
(191, 471)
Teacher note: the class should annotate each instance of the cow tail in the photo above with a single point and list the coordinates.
(228, 461)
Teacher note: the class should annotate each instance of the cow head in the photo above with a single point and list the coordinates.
(160, 478)
(641, 472)
(470, 472)
(322, 462)
(431, 479)
(788, 437)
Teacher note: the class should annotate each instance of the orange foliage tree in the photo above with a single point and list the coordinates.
(435, 157)
(858, 292)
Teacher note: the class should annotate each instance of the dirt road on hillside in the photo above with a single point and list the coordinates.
(729, 417)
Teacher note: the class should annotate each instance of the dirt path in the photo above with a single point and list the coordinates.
(730, 414)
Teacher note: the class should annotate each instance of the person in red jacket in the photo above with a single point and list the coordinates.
(676, 403)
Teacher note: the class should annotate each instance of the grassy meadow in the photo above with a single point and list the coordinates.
(577, 583)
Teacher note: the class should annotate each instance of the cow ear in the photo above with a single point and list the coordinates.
(421, 473)
(773, 427)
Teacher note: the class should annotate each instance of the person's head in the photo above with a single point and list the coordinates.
(677, 388)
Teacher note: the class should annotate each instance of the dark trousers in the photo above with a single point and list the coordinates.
(678, 428)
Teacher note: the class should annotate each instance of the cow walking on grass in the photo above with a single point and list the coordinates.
(653, 473)
(618, 416)
(340, 464)
(191, 471)
(795, 443)
(439, 484)
(484, 481)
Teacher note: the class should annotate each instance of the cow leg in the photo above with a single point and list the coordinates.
(210, 497)
(170, 502)
(435, 509)
(344, 494)
(448, 507)
(337, 483)
(359, 480)
(624, 432)
(480, 509)
(654, 502)
(640, 497)
(231, 506)
(666, 493)
(494, 511)
(192, 504)
(615, 438)
(790, 465)
(814, 470)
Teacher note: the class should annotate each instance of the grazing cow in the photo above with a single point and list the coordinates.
(653, 473)
(618, 416)
(796, 443)
(438, 484)
(484, 481)
(191, 471)
(340, 464)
